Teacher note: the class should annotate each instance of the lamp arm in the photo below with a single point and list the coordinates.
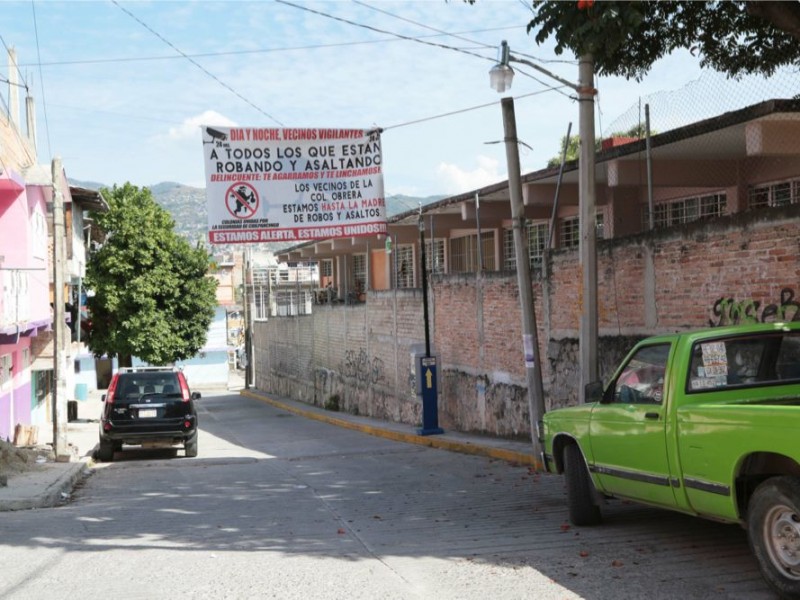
(569, 84)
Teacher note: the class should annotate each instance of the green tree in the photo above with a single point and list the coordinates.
(152, 296)
(573, 149)
(626, 38)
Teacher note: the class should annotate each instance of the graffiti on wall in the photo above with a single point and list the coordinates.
(360, 367)
(728, 311)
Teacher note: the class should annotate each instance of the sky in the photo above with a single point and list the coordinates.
(121, 88)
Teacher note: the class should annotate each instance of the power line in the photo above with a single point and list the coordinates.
(415, 39)
(462, 110)
(41, 80)
(122, 59)
(195, 63)
(455, 35)
(378, 30)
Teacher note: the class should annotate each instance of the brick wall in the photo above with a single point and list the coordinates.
(731, 269)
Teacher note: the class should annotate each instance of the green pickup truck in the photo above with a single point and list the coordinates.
(702, 422)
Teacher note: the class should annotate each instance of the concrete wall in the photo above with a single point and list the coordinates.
(731, 269)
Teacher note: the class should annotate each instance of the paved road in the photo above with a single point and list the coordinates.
(279, 506)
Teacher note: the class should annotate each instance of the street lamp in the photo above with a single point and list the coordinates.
(500, 78)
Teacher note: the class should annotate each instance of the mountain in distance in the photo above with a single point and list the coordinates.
(187, 205)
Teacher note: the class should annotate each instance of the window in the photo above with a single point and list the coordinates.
(686, 210)
(600, 225)
(464, 256)
(404, 278)
(745, 361)
(326, 268)
(360, 272)
(570, 233)
(773, 194)
(434, 256)
(642, 379)
(537, 234)
(5, 369)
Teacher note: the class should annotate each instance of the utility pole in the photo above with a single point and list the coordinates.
(248, 367)
(530, 338)
(59, 318)
(588, 224)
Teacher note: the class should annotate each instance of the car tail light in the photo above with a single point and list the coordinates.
(184, 388)
(106, 426)
(187, 424)
(112, 388)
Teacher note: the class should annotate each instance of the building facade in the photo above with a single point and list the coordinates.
(722, 248)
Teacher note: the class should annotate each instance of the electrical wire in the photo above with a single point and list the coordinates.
(378, 30)
(58, 63)
(41, 80)
(461, 110)
(195, 63)
(415, 39)
(457, 36)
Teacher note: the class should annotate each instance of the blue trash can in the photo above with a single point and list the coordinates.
(81, 391)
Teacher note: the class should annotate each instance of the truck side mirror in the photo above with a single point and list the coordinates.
(593, 391)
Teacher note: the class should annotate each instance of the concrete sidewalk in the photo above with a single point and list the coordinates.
(500, 448)
(50, 484)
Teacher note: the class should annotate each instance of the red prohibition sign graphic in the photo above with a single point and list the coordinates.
(241, 200)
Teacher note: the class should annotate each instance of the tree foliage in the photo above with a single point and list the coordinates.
(574, 144)
(152, 297)
(626, 38)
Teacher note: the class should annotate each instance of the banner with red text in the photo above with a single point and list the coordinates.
(287, 185)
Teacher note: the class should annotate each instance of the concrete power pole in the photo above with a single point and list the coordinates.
(588, 224)
(59, 319)
(530, 338)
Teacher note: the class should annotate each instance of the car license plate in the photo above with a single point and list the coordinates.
(147, 413)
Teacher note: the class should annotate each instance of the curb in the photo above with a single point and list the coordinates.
(54, 494)
(399, 436)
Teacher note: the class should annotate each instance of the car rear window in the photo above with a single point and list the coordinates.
(134, 385)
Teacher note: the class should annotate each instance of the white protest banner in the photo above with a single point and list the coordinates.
(281, 184)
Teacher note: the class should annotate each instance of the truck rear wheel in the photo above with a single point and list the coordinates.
(773, 529)
(580, 489)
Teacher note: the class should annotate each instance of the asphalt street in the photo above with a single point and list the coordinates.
(278, 505)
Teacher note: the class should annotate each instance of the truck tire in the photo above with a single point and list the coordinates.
(773, 530)
(580, 489)
(105, 453)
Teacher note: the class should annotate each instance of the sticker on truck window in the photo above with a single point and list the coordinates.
(715, 359)
(714, 370)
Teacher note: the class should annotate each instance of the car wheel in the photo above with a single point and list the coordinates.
(105, 453)
(580, 489)
(190, 447)
(773, 530)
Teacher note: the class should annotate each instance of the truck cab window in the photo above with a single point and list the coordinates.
(642, 379)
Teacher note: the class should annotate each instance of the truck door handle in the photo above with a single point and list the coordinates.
(651, 415)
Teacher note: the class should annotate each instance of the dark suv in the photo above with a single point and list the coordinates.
(148, 406)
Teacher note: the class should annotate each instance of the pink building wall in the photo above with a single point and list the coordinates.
(24, 292)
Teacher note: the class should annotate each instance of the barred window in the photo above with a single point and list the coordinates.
(404, 278)
(360, 271)
(464, 253)
(537, 234)
(686, 210)
(773, 194)
(434, 256)
(570, 233)
(326, 268)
